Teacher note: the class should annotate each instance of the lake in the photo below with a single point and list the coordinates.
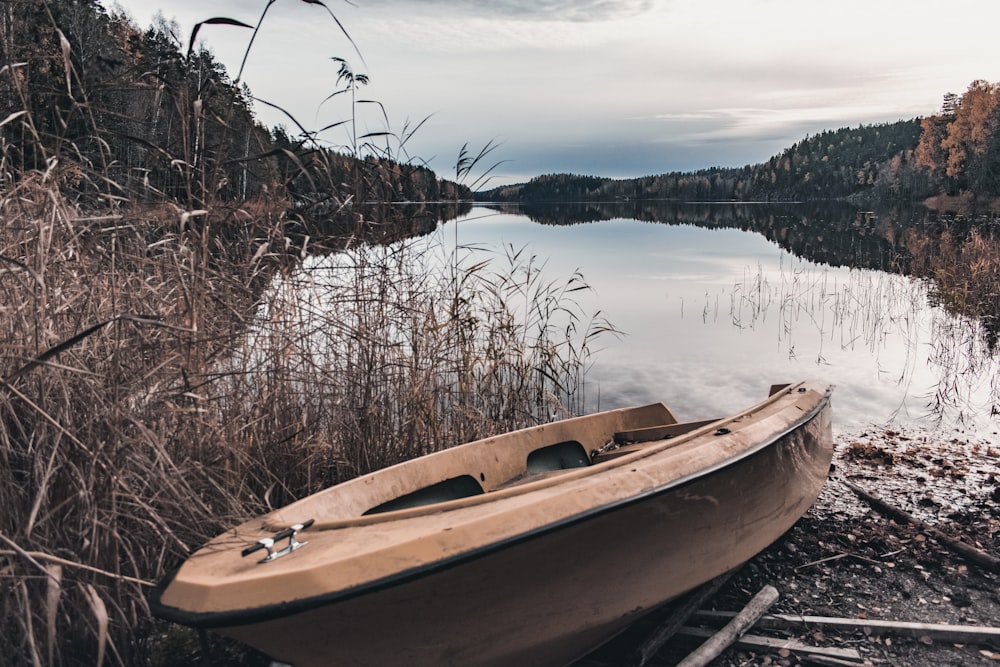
(717, 302)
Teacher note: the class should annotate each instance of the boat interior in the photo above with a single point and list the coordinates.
(505, 464)
(489, 466)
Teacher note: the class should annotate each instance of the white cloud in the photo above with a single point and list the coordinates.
(572, 85)
(528, 10)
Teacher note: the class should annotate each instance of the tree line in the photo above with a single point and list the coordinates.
(960, 147)
(113, 112)
(953, 152)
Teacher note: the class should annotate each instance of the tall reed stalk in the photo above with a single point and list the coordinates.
(170, 368)
(157, 388)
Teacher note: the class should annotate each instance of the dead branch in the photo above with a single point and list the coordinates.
(678, 618)
(969, 552)
(740, 623)
(758, 643)
(961, 634)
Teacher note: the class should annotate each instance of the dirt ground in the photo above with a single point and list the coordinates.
(844, 560)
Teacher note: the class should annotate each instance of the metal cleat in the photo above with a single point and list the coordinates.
(267, 543)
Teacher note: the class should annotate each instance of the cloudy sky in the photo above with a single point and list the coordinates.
(605, 87)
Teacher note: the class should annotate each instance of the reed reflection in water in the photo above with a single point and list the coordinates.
(713, 316)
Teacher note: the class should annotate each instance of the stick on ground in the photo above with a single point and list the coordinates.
(774, 644)
(678, 618)
(969, 552)
(963, 634)
(725, 637)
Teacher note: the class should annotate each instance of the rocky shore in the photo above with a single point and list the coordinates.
(845, 560)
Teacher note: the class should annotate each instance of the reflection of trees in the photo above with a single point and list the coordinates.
(960, 256)
(374, 223)
(963, 263)
(831, 233)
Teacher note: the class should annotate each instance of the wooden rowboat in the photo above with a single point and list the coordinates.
(532, 547)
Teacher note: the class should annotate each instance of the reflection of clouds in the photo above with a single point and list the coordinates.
(538, 10)
(704, 391)
(692, 390)
(713, 317)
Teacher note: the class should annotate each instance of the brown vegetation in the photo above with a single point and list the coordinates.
(168, 372)
(961, 145)
(201, 321)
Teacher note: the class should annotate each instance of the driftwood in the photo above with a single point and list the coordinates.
(832, 662)
(740, 623)
(677, 618)
(960, 634)
(969, 552)
(774, 644)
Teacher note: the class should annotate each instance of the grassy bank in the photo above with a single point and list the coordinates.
(166, 374)
(203, 319)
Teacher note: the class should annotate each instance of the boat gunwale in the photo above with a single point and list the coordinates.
(528, 486)
(264, 613)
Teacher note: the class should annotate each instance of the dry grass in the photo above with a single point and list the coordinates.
(107, 461)
(167, 374)
(169, 368)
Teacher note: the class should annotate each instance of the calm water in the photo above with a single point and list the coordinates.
(712, 315)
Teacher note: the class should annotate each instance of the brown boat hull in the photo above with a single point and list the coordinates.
(552, 595)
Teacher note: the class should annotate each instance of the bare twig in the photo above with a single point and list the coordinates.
(725, 637)
(969, 552)
(842, 554)
(823, 560)
(678, 618)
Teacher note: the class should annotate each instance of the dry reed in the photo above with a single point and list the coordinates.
(169, 369)
(160, 383)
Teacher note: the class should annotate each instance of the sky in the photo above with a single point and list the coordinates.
(617, 88)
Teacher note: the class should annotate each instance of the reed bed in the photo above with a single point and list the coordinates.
(107, 459)
(205, 324)
(820, 310)
(166, 374)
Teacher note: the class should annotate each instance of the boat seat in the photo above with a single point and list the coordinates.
(550, 461)
(449, 489)
(561, 456)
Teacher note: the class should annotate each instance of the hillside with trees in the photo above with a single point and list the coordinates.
(954, 152)
(117, 113)
(960, 147)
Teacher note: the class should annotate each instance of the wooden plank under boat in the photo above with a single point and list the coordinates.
(532, 547)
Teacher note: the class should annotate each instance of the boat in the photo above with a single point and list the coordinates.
(531, 547)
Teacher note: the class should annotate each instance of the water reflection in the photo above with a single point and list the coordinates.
(713, 314)
(834, 233)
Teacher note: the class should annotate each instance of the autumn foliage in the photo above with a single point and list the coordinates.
(961, 145)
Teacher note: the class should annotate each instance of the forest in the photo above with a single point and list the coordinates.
(116, 113)
(954, 152)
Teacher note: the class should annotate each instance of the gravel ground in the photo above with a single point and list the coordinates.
(843, 559)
